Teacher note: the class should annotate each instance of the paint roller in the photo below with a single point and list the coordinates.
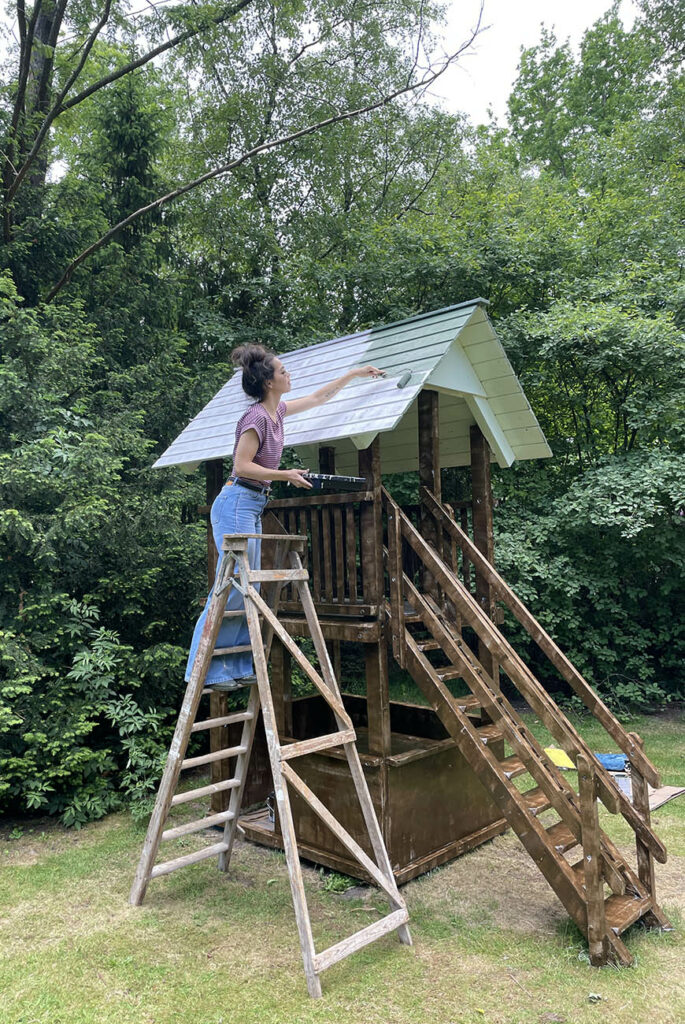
(403, 379)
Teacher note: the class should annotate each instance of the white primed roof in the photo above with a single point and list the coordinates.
(454, 351)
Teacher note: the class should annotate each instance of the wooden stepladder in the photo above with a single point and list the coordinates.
(235, 572)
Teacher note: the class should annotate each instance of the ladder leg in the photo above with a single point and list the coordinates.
(184, 724)
(241, 768)
(272, 593)
(283, 802)
(351, 752)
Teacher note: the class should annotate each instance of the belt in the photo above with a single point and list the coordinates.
(252, 486)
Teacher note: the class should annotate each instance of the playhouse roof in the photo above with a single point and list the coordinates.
(454, 351)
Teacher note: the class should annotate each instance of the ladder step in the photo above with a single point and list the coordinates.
(536, 800)
(241, 649)
(448, 673)
(333, 954)
(234, 613)
(216, 755)
(190, 858)
(276, 575)
(197, 794)
(428, 645)
(333, 739)
(198, 825)
(513, 767)
(216, 723)
(562, 837)
(622, 911)
(489, 733)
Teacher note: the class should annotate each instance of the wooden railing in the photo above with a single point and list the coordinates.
(558, 659)
(343, 576)
(519, 674)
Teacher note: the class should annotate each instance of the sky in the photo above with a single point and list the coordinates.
(484, 77)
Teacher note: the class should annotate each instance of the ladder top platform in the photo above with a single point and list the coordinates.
(234, 541)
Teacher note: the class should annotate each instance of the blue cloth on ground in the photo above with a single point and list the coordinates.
(613, 762)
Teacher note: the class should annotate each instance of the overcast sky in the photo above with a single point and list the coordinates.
(484, 78)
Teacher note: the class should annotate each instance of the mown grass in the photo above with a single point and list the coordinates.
(492, 943)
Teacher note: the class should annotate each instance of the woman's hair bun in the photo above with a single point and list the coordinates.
(246, 355)
(257, 365)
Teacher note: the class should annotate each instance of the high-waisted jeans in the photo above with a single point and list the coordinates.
(235, 510)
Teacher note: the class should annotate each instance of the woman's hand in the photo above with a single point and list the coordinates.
(368, 371)
(296, 478)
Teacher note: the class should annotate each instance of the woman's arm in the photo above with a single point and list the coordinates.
(328, 390)
(248, 443)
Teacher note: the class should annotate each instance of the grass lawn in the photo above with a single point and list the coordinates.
(491, 941)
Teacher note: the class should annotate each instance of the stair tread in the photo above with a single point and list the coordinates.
(448, 673)
(536, 800)
(622, 911)
(467, 703)
(489, 733)
(513, 766)
(428, 645)
(562, 837)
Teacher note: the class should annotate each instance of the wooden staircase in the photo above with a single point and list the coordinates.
(602, 893)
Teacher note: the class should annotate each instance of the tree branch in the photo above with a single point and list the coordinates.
(59, 107)
(151, 54)
(345, 115)
(55, 110)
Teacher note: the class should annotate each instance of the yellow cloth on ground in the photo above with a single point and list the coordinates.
(559, 757)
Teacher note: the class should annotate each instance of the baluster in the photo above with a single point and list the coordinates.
(645, 861)
(594, 881)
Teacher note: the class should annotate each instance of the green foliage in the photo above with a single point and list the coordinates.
(568, 220)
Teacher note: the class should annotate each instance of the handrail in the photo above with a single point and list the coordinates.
(612, 796)
(544, 641)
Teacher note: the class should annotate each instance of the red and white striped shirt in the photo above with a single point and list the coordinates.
(270, 436)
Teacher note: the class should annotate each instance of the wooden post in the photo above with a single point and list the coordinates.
(327, 460)
(218, 702)
(327, 465)
(371, 525)
(375, 654)
(429, 441)
(645, 861)
(214, 481)
(429, 473)
(483, 536)
(281, 687)
(594, 881)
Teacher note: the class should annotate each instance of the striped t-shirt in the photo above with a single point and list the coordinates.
(270, 436)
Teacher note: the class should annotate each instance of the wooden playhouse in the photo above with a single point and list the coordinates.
(417, 584)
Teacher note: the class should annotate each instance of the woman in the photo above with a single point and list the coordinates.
(239, 506)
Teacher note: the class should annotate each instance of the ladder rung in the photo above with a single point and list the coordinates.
(333, 739)
(234, 613)
(197, 794)
(216, 755)
(536, 800)
(428, 645)
(276, 575)
(333, 954)
(197, 826)
(216, 723)
(513, 766)
(448, 673)
(241, 649)
(562, 837)
(190, 858)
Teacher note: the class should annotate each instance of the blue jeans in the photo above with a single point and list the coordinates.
(235, 510)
